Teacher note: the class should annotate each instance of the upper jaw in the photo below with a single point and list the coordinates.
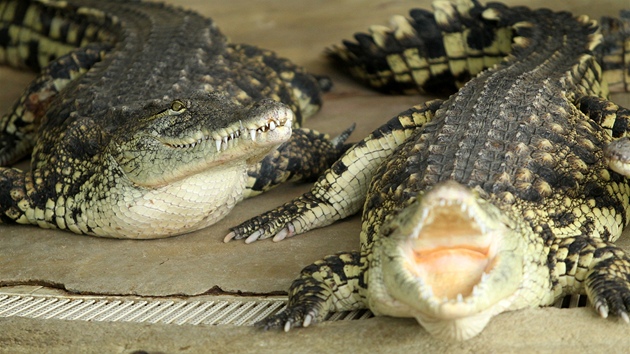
(452, 260)
(188, 147)
(256, 129)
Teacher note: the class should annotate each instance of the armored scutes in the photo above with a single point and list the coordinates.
(498, 198)
(144, 121)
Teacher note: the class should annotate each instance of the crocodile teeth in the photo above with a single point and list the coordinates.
(484, 277)
(226, 138)
(427, 292)
(476, 291)
(425, 213)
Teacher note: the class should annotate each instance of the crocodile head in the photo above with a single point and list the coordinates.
(452, 260)
(189, 136)
(183, 165)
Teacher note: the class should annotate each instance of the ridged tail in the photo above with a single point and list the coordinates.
(33, 34)
(440, 51)
(614, 52)
(427, 52)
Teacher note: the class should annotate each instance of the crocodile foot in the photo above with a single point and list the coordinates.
(285, 221)
(293, 316)
(608, 287)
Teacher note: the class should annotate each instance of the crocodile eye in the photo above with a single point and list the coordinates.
(177, 107)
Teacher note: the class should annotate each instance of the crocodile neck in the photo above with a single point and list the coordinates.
(169, 210)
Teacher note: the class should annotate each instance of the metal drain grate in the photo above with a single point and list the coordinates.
(572, 301)
(173, 311)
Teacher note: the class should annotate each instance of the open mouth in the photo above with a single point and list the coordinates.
(231, 136)
(453, 251)
(452, 260)
(453, 248)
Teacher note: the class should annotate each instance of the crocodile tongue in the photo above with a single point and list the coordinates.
(458, 261)
(452, 251)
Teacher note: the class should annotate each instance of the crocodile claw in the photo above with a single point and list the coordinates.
(295, 217)
(240, 232)
(608, 288)
(288, 231)
(613, 304)
(292, 218)
(291, 317)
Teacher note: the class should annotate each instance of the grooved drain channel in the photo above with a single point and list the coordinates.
(170, 311)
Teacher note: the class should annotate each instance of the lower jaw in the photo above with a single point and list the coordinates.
(457, 329)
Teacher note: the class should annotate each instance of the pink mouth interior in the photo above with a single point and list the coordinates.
(451, 253)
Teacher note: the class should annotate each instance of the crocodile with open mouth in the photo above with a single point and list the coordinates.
(144, 121)
(507, 195)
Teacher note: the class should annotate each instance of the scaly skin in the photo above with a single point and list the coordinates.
(499, 198)
(144, 121)
(441, 51)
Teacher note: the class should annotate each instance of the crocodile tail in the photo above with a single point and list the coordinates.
(33, 34)
(532, 29)
(429, 51)
(613, 53)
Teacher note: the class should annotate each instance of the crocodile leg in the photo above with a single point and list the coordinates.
(304, 95)
(332, 284)
(303, 158)
(329, 200)
(595, 267)
(18, 128)
(13, 195)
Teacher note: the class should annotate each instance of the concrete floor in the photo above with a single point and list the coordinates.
(193, 264)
